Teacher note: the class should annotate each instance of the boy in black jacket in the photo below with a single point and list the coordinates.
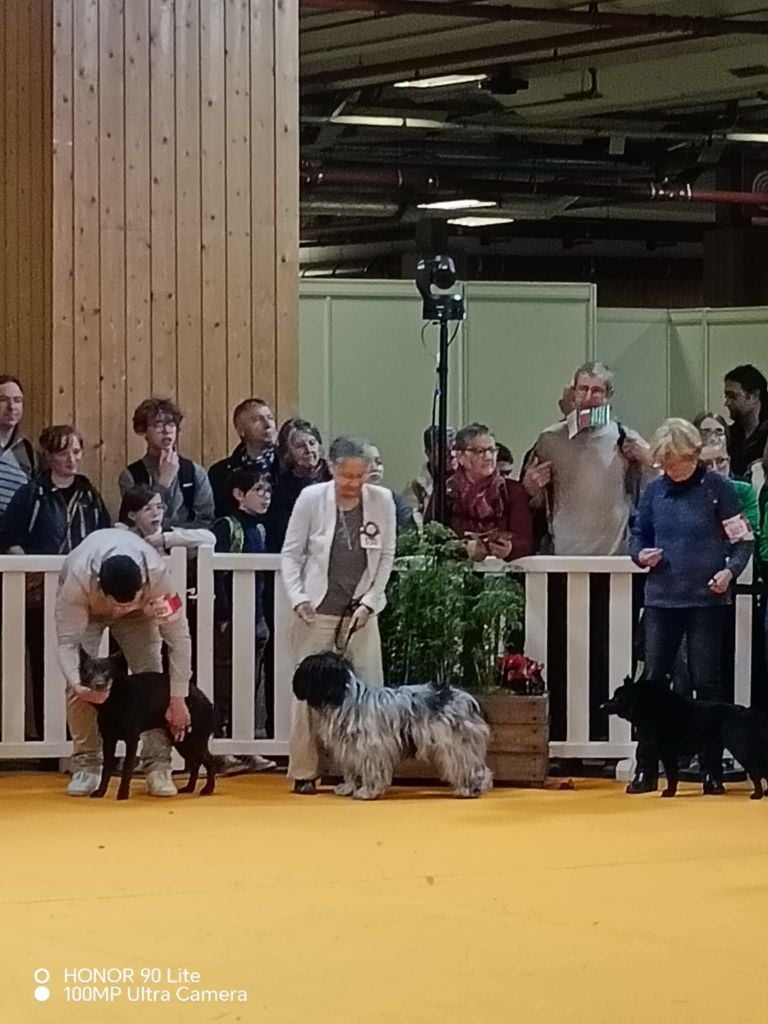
(241, 533)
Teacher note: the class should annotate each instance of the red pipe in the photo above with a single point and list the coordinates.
(423, 181)
(638, 23)
(460, 58)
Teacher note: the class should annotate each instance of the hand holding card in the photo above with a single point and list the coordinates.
(649, 558)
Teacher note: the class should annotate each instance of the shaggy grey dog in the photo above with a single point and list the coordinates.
(369, 729)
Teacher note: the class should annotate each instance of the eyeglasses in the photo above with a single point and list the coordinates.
(482, 451)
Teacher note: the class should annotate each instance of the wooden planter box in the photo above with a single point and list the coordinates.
(519, 748)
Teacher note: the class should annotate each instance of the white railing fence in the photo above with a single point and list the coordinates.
(574, 634)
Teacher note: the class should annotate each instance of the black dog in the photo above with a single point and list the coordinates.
(669, 724)
(137, 703)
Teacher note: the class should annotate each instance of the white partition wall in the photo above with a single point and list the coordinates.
(364, 367)
(522, 343)
(635, 343)
(672, 362)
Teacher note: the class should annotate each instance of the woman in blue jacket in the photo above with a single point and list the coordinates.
(692, 536)
(50, 515)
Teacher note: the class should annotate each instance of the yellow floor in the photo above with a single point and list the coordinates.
(525, 907)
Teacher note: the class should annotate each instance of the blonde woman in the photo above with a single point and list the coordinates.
(691, 535)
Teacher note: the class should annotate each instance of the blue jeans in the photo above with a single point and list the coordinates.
(703, 628)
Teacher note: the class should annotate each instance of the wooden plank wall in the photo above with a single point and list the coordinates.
(175, 221)
(25, 203)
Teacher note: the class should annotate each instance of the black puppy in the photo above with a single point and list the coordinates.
(137, 703)
(669, 724)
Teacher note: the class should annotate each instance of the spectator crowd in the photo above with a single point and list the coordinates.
(689, 506)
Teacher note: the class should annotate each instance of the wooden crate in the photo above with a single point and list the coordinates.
(519, 748)
(518, 751)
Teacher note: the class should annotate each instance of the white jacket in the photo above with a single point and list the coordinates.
(308, 540)
(80, 600)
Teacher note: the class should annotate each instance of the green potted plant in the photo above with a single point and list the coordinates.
(447, 622)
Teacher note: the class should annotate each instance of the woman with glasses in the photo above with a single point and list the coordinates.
(336, 560)
(692, 536)
(713, 428)
(487, 510)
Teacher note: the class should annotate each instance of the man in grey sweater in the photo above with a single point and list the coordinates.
(588, 471)
(115, 580)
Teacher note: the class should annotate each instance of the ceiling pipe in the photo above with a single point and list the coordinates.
(634, 23)
(523, 129)
(431, 182)
(464, 58)
(351, 207)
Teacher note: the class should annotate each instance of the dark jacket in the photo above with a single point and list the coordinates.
(243, 534)
(285, 493)
(746, 450)
(686, 521)
(220, 471)
(39, 520)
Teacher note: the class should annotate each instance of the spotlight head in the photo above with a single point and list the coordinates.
(436, 281)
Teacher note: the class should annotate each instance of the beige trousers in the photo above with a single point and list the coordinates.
(140, 642)
(364, 652)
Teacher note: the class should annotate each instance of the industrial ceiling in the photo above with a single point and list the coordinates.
(622, 129)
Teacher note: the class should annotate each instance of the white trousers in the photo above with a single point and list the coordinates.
(364, 652)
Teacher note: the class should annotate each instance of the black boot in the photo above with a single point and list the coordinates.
(643, 782)
(712, 786)
(305, 787)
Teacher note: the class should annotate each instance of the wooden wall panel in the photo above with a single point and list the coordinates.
(88, 231)
(213, 214)
(63, 278)
(25, 202)
(263, 295)
(188, 226)
(286, 224)
(112, 248)
(175, 215)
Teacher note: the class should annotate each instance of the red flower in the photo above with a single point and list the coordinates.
(517, 668)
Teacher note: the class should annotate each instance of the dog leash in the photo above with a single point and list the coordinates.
(347, 614)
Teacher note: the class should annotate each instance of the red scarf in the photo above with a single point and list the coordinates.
(477, 507)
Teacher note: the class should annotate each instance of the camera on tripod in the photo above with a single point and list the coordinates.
(436, 281)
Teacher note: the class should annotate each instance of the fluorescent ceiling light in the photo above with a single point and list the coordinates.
(458, 204)
(747, 136)
(439, 81)
(374, 121)
(480, 222)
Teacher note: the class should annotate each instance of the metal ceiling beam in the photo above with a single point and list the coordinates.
(637, 23)
(398, 179)
(465, 58)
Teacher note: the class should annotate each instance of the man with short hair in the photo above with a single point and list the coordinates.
(17, 456)
(746, 399)
(254, 421)
(418, 492)
(183, 484)
(114, 579)
(588, 470)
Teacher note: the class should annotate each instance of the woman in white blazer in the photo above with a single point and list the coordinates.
(336, 561)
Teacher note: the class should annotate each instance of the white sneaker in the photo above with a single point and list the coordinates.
(160, 783)
(83, 783)
(257, 763)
